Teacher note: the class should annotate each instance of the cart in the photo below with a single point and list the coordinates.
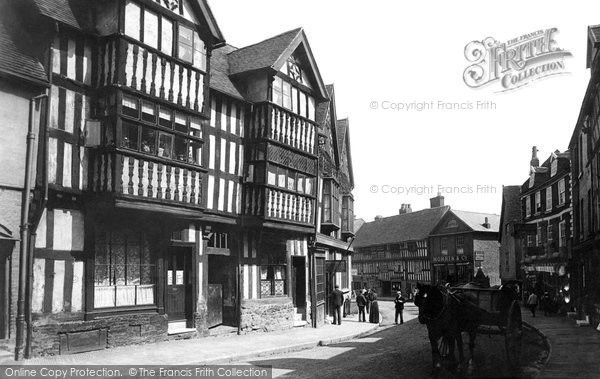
(502, 316)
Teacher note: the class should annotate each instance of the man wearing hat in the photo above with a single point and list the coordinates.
(399, 302)
(337, 300)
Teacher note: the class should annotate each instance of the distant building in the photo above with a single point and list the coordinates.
(461, 244)
(391, 253)
(546, 212)
(509, 235)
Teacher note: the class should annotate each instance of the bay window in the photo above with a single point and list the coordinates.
(287, 178)
(331, 202)
(157, 31)
(348, 214)
(160, 131)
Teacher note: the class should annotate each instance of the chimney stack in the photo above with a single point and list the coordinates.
(437, 201)
(405, 208)
(486, 224)
(535, 162)
(378, 218)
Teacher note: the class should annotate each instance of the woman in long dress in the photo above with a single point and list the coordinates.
(374, 314)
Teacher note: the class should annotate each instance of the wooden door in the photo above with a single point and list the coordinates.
(179, 284)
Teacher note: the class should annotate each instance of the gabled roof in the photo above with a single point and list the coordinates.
(64, 11)
(475, 220)
(17, 57)
(358, 223)
(219, 72)
(412, 226)
(273, 53)
(343, 136)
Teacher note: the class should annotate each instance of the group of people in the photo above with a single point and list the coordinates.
(367, 304)
(547, 302)
(367, 301)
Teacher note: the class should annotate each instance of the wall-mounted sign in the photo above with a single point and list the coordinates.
(479, 255)
(450, 258)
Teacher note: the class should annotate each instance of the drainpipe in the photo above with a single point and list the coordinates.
(24, 233)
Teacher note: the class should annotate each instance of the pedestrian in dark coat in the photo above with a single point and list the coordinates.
(532, 303)
(374, 315)
(361, 301)
(337, 300)
(399, 304)
(368, 297)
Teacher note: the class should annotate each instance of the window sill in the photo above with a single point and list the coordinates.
(113, 311)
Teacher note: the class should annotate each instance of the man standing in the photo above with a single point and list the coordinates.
(337, 300)
(361, 301)
(532, 302)
(399, 302)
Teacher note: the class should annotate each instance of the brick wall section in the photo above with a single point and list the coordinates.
(491, 259)
(267, 315)
(122, 330)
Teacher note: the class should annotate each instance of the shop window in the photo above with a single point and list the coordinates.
(272, 280)
(124, 272)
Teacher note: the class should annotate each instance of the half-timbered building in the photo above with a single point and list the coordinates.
(335, 217)
(392, 253)
(177, 186)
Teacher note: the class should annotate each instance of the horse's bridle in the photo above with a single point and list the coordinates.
(445, 294)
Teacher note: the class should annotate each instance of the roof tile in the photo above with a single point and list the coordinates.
(412, 226)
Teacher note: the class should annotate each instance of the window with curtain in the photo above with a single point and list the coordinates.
(124, 273)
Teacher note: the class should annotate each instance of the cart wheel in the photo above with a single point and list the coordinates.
(513, 335)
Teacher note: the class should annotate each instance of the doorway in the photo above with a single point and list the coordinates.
(222, 288)
(179, 286)
(299, 283)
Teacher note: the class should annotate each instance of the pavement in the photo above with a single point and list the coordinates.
(574, 351)
(212, 350)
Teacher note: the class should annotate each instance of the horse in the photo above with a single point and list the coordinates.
(446, 316)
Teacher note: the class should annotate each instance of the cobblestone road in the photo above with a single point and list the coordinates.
(400, 351)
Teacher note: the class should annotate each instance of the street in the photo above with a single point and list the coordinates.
(395, 351)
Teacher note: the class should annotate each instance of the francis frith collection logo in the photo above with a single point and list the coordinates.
(516, 63)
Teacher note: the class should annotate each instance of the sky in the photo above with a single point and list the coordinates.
(381, 53)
